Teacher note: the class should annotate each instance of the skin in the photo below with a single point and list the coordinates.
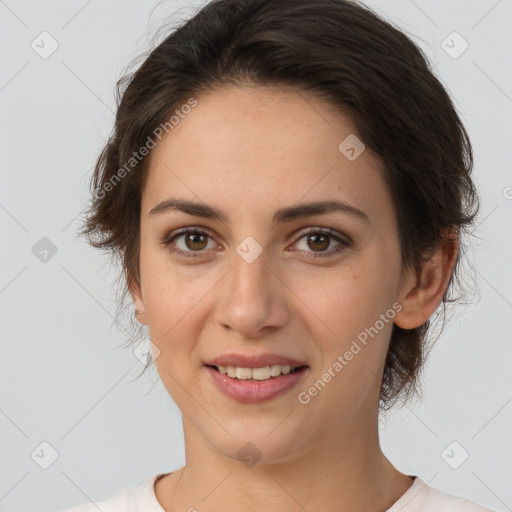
(248, 152)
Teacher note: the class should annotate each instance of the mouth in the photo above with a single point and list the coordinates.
(255, 379)
(261, 373)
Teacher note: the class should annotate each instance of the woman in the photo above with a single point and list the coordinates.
(287, 186)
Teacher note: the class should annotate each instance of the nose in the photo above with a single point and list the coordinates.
(253, 298)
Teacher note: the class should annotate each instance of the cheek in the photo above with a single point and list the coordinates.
(355, 308)
(174, 327)
(351, 295)
(354, 304)
(173, 301)
(173, 307)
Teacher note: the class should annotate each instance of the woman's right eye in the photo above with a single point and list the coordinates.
(193, 241)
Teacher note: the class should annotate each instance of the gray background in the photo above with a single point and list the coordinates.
(65, 378)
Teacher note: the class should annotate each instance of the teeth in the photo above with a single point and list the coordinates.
(263, 373)
(286, 369)
(243, 373)
(275, 370)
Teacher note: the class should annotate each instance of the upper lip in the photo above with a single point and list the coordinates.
(254, 360)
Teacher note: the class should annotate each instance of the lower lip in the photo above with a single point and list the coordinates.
(255, 391)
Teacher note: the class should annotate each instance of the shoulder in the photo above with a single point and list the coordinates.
(420, 497)
(440, 501)
(131, 499)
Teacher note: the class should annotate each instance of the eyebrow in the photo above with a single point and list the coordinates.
(287, 214)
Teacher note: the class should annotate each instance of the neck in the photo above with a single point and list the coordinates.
(350, 470)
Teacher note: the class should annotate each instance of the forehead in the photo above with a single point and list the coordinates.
(259, 147)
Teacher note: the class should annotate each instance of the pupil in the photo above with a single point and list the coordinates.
(315, 237)
(192, 238)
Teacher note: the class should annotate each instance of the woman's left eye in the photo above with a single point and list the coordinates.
(321, 239)
(194, 240)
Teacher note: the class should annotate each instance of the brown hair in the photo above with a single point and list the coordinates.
(341, 51)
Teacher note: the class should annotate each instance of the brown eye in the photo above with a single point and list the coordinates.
(188, 242)
(318, 241)
(315, 242)
(195, 241)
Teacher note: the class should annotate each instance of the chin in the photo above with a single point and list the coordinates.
(252, 443)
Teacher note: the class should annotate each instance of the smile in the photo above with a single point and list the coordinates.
(261, 373)
(255, 385)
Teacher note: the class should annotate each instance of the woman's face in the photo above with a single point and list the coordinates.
(258, 286)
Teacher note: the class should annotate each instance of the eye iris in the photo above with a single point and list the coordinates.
(315, 237)
(195, 236)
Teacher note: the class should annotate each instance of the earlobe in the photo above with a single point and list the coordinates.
(422, 294)
(135, 291)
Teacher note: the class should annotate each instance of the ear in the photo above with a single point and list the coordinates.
(136, 293)
(420, 295)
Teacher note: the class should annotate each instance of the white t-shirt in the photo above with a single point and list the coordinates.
(418, 498)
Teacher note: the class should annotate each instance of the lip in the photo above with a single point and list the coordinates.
(253, 360)
(252, 391)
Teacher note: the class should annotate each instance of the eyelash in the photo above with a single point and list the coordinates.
(343, 243)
